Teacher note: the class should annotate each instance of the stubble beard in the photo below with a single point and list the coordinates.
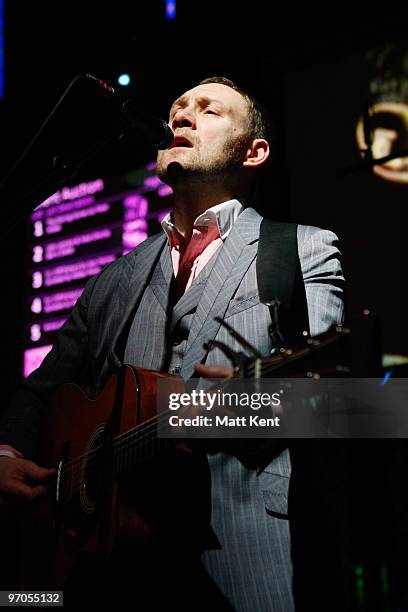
(198, 171)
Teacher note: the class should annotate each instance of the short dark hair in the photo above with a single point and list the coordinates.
(388, 65)
(259, 121)
(268, 186)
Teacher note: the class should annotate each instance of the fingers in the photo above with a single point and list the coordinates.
(37, 473)
(23, 479)
(25, 492)
(213, 371)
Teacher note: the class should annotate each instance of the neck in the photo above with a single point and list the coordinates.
(190, 202)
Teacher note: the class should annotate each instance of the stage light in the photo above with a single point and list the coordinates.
(1, 48)
(170, 9)
(124, 79)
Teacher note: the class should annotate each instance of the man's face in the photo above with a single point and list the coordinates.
(210, 124)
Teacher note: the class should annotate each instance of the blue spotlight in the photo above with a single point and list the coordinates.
(1, 48)
(124, 79)
(170, 9)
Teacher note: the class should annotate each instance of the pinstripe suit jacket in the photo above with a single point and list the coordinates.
(251, 562)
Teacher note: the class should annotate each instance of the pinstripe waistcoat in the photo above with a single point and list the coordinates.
(251, 562)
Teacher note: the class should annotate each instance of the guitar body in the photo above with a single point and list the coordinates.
(88, 511)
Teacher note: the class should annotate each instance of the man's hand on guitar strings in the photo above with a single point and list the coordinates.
(213, 371)
(23, 480)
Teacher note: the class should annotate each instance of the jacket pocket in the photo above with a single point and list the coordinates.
(275, 490)
(239, 304)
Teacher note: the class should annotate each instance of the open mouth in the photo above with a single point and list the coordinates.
(180, 141)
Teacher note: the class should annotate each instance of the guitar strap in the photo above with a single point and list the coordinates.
(280, 281)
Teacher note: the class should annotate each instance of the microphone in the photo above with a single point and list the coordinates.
(156, 132)
(105, 88)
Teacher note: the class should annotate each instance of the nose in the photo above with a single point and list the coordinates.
(183, 118)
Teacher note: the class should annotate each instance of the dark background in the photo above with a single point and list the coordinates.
(307, 67)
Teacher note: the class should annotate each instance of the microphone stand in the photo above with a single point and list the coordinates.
(63, 169)
(370, 162)
(56, 170)
(16, 201)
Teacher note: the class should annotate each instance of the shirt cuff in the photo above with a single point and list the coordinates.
(9, 451)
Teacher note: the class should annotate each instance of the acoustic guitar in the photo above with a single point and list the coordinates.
(95, 443)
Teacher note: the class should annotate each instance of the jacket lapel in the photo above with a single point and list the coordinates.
(133, 281)
(233, 261)
(162, 279)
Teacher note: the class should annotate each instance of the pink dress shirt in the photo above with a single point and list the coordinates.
(209, 232)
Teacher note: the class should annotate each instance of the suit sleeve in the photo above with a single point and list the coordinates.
(68, 361)
(323, 277)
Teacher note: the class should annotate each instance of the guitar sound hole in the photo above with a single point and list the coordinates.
(91, 472)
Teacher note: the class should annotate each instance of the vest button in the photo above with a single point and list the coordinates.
(176, 341)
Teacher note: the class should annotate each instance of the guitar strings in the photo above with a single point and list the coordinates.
(129, 433)
(143, 432)
(145, 423)
(149, 423)
(269, 364)
(96, 449)
(137, 437)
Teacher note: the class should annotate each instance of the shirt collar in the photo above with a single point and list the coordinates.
(222, 215)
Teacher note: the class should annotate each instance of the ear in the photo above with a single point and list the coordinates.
(257, 154)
